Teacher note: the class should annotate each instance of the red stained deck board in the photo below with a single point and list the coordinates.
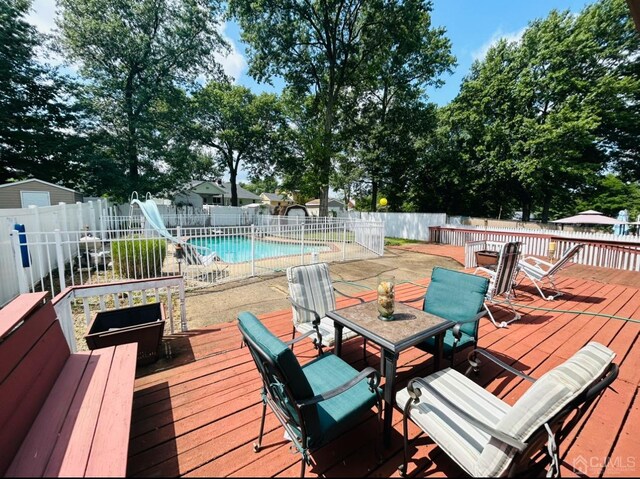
(115, 416)
(18, 309)
(70, 456)
(224, 445)
(37, 447)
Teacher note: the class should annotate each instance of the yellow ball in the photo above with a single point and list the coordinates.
(383, 202)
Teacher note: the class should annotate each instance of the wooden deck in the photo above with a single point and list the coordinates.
(200, 416)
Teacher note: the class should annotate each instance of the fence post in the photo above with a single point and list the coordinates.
(65, 219)
(23, 285)
(101, 212)
(344, 241)
(79, 215)
(301, 243)
(183, 307)
(253, 247)
(92, 218)
(40, 246)
(60, 258)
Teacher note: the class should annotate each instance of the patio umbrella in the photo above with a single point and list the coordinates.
(589, 217)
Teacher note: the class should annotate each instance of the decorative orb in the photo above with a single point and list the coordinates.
(383, 202)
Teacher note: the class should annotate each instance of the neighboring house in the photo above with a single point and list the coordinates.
(274, 200)
(21, 194)
(199, 193)
(336, 207)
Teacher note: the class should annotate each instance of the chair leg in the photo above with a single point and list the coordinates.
(258, 445)
(303, 464)
(405, 437)
(503, 324)
(364, 350)
(293, 336)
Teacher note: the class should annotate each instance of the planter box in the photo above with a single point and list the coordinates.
(138, 324)
(487, 258)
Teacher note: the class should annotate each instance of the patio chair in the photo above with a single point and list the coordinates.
(314, 403)
(458, 297)
(502, 280)
(538, 270)
(312, 295)
(488, 438)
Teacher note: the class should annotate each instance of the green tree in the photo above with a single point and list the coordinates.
(318, 47)
(37, 115)
(534, 117)
(390, 101)
(137, 56)
(266, 184)
(240, 128)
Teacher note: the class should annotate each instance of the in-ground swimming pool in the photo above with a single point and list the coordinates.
(237, 249)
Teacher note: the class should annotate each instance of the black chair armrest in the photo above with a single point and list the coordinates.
(301, 337)
(414, 393)
(475, 363)
(348, 296)
(369, 372)
(316, 316)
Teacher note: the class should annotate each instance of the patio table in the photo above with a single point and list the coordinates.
(409, 327)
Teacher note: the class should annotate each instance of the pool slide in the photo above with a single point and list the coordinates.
(152, 215)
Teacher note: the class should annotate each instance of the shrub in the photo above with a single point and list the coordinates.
(138, 258)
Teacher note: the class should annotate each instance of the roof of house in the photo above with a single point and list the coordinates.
(332, 202)
(39, 181)
(226, 189)
(275, 197)
(242, 193)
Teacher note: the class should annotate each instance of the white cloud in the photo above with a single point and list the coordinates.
(498, 35)
(42, 15)
(234, 64)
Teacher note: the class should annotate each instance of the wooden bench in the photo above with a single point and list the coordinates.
(61, 414)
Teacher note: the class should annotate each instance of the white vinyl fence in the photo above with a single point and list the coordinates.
(80, 218)
(413, 226)
(205, 256)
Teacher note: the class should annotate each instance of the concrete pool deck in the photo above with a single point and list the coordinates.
(223, 302)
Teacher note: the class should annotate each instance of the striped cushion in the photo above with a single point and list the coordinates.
(449, 430)
(546, 397)
(310, 286)
(327, 331)
(506, 269)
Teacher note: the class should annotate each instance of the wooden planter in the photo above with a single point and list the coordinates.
(487, 258)
(138, 324)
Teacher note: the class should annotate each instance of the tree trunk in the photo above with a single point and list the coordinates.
(234, 188)
(132, 144)
(374, 195)
(546, 202)
(526, 210)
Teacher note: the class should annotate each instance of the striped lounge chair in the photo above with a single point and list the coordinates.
(538, 270)
(488, 438)
(501, 280)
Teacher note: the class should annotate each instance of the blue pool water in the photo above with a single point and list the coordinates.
(237, 249)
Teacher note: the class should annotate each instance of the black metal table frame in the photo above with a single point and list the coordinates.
(390, 353)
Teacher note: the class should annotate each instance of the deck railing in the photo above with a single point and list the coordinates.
(109, 296)
(600, 249)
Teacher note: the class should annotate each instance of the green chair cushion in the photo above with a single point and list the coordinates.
(338, 413)
(430, 344)
(456, 296)
(279, 353)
